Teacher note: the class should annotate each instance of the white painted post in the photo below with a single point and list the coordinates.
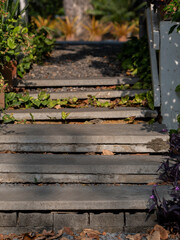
(23, 3)
(153, 57)
(169, 74)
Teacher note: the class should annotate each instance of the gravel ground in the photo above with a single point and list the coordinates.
(78, 62)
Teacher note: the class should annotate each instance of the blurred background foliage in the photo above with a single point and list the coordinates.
(120, 17)
(45, 8)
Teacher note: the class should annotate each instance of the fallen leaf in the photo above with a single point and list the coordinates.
(155, 236)
(134, 237)
(92, 233)
(57, 107)
(28, 237)
(163, 232)
(64, 238)
(86, 238)
(104, 233)
(107, 152)
(68, 231)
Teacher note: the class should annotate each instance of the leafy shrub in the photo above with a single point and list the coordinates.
(45, 8)
(172, 11)
(39, 48)
(116, 10)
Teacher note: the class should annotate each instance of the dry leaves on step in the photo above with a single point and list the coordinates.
(90, 233)
(163, 232)
(107, 152)
(134, 237)
(68, 231)
(158, 233)
(43, 236)
(154, 236)
(57, 107)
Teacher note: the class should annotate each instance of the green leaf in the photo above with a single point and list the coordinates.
(177, 88)
(124, 100)
(45, 103)
(8, 118)
(172, 28)
(48, 41)
(16, 103)
(139, 98)
(150, 99)
(11, 52)
(36, 102)
(8, 59)
(24, 30)
(43, 96)
(74, 99)
(138, 85)
(11, 96)
(178, 118)
(32, 117)
(17, 29)
(11, 44)
(52, 103)
(24, 98)
(64, 115)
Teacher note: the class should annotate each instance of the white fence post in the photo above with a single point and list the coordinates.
(169, 74)
(23, 3)
(153, 57)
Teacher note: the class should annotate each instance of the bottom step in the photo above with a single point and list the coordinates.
(74, 197)
(112, 208)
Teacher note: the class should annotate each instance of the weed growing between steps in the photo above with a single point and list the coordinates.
(19, 100)
(135, 60)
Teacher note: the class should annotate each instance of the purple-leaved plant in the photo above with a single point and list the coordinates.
(168, 172)
(168, 211)
(175, 143)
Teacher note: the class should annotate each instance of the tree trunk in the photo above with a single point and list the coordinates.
(78, 8)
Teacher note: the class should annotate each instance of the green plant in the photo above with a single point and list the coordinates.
(10, 9)
(18, 100)
(116, 10)
(122, 31)
(3, 85)
(67, 27)
(37, 47)
(13, 41)
(177, 88)
(64, 115)
(96, 29)
(172, 11)
(8, 118)
(135, 60)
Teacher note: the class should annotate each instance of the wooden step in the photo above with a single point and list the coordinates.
(50, 168)
(75, 197)
(105, 81)
(81, 113)
(84, 138)
(105, 94)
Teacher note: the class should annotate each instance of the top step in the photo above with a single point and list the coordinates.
(75, 82)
